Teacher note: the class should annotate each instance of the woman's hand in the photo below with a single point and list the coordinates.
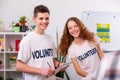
(63, 69)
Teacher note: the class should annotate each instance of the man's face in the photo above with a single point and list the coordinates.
(41, 20)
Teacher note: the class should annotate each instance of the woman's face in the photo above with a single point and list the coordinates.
(73, 29)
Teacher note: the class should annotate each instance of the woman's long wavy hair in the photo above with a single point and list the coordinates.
(67, 39)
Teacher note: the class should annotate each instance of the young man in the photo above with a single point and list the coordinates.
(37, 51)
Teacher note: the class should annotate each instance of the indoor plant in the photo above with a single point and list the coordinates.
(22, 21)
(20, 26)
(1, 78)
(13, 61)
(0, 64)
(16, 27)
(61, 59)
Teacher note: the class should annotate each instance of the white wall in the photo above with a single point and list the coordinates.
(61, 10)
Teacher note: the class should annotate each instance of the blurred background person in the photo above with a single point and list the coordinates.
(110, 67)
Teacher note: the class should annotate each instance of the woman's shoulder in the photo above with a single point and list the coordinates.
(96, 39)
(72, 48)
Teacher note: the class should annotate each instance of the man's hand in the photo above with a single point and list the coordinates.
(47, 72)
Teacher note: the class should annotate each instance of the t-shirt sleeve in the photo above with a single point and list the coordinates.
(71, 52)
(54, 48)
(54, 52)
(24, 50)
(97, 39)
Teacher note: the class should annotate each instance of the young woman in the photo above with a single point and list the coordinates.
(81, 46)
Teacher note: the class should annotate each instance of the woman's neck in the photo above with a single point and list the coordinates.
(78, 41)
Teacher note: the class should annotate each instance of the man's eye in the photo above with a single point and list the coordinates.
(47, 18)
(41, 18)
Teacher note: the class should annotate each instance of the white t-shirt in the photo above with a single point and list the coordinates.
(87, 57)
(36, 50)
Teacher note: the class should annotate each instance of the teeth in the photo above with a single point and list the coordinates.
(75, 32)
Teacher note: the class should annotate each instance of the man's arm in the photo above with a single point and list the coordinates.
(21, 66)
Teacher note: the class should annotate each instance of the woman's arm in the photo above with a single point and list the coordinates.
(57, 64)
(100, 53)
(77, 68)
